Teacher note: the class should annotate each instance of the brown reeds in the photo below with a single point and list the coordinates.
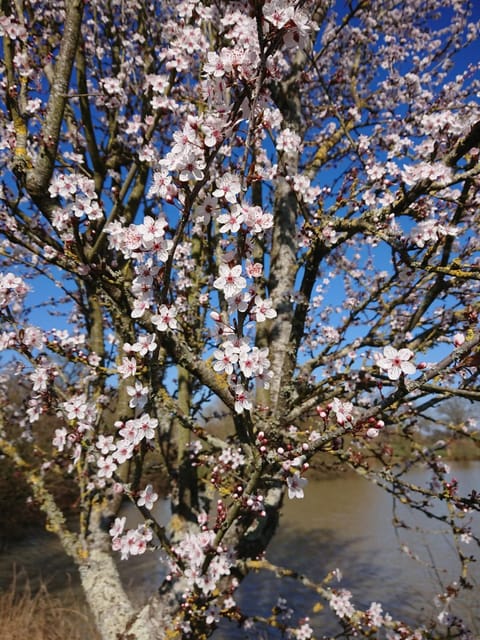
(40, 615)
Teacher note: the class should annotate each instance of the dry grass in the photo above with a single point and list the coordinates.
(25, 615)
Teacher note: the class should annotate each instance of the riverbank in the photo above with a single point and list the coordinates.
(20, 516)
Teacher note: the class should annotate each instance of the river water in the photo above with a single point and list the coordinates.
(344, 522)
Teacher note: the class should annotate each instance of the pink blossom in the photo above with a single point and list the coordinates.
(396, 363)
(288, 141)
(254, 362)
(256, 219)
(118, 527)
(124, 451)
(295, 485)
(231, 221)
(254, 270)
(262, 310)
(106, 466)
(218, 65)
(12, 289)
(60, 439)
(225, 358)
(12, 28)
(230, 280)
(342, 410)
(76, 408)
(147, 497)
(228, 187)
(139, 307)
(165, 318)
(134, 542)
(146, 427)
(128, 367)
(242, 399)
(232, 458)
(374, 613)
(138, 395)
(146, 343)
(41, 377)
(304, 632)
(206, 208)
(105, 444)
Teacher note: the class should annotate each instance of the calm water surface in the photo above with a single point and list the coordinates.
(343, 522)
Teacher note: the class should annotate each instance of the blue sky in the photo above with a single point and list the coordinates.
(43, 289)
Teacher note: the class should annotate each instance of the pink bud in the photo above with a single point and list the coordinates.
(458, 339)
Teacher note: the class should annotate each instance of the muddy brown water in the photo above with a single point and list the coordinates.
(343, 522)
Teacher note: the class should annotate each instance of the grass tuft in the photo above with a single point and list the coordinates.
(41, 615)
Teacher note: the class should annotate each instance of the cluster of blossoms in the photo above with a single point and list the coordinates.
(12, 28)
(135, 430)
(79, 192)
(292, 459)
(133, 542)
(192, 551)
(107, 452)
(374, 615)
(81, 414)
(348, 416)
(79, 410)
(131, 433)
(187, 156)
(288, 141)
(304, 632)
(293, 22)
(437, 172)
(430, 231)
(232, 458)
(147, 244)
(43, 375)
(234, 355)
(254, 219)
(136, 239)
(251, 361)
(12, 291)
(304, 189)
(340, 603)
(238, 61)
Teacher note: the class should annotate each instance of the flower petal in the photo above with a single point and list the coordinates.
(408, 367)
(390, 352)
(394, 372)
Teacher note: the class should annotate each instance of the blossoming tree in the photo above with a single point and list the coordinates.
(268, 206)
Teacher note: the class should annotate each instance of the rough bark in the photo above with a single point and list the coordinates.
(38, 178)
(110, 605)
(284, 265)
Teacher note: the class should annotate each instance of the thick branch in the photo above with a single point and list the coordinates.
(39, 177)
